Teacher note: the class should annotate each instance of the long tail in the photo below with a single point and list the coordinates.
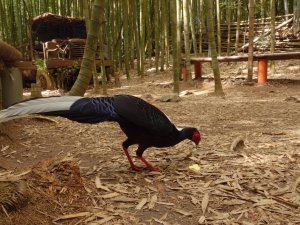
(36, 106)
(80, 109)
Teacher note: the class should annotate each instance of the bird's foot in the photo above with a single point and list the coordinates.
(138, 168)
(149, 166)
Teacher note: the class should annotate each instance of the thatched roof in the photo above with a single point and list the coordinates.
(49, 26)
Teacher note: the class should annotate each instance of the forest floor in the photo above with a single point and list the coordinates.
(78, 174)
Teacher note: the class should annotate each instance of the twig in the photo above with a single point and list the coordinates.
(46, 214)
(278, 199)
(4, 210)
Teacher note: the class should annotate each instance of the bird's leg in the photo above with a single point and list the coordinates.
(152, 168)
(139, 153)
(132, 166)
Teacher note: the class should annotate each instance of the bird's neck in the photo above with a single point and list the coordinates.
(185, 133)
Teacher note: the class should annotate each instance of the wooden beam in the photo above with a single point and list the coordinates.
(57, 63)
(24, 65)
(269, 56)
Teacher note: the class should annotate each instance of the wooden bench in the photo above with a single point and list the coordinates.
(262, 59)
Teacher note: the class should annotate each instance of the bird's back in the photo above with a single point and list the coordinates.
(143, 122)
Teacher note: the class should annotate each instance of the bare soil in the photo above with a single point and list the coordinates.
(78, 174)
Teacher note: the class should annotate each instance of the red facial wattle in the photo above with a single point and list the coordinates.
(196, 138)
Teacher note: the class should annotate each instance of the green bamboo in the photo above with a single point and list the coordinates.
(218, 27)
(186, 21)
(143, 11)
(126, 36)
(192, 9)
(228, 20)
(272, 49)
(238, 27)
(200, 21)
(157, 33)
(213, 50)
(251, 37)
(163, 8)
(85, 74)
(174, 21)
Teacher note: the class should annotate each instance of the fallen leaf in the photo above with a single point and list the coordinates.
(201, 220)
(164, 216)
(206, 185)
(152, 202)
(124, 199)
(182, 212)
(71, 216)
(205, 201)
(264, 202)
(194, 200)
(295, 184)
(166, 203)
(141, 203)
(99, 185)
(158, 221)
(110, 195)
(234, 202)
(104, 220)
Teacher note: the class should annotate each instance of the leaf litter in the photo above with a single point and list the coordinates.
(247, 164)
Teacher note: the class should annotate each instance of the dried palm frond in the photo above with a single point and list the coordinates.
(13, 194)
(13, 191)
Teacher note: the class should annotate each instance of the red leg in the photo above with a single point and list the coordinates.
(152, 168)
(132, 166)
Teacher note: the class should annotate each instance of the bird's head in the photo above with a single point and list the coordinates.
(196, 138)
(192, 134)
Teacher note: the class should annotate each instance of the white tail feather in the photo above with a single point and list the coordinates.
(40, 105)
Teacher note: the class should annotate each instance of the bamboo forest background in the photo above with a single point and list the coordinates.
(136, 29)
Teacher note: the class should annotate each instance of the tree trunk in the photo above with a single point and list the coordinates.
(157, 33)
(143, 11)
(102, 50)
(218, 27)
(163, 8)
(201, 16)
(296, 24)
(212, 45)
(286, 8)
(126, 36)
(238, 27)
(272, 6)
(173, 14)
(193, 11)
(251, 37)
(187, 39)
(85, 73)
(228, 20)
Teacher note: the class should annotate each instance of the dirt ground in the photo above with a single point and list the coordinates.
(78, 174)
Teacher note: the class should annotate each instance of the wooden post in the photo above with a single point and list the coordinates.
(197, 70)
(262, 71)
(1, 100)
(183, 72)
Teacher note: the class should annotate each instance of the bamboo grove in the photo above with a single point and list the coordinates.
(137, 30)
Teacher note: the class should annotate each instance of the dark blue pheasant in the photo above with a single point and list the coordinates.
(143, 123)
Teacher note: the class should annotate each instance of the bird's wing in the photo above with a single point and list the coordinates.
(142, 114)
(92, 110)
